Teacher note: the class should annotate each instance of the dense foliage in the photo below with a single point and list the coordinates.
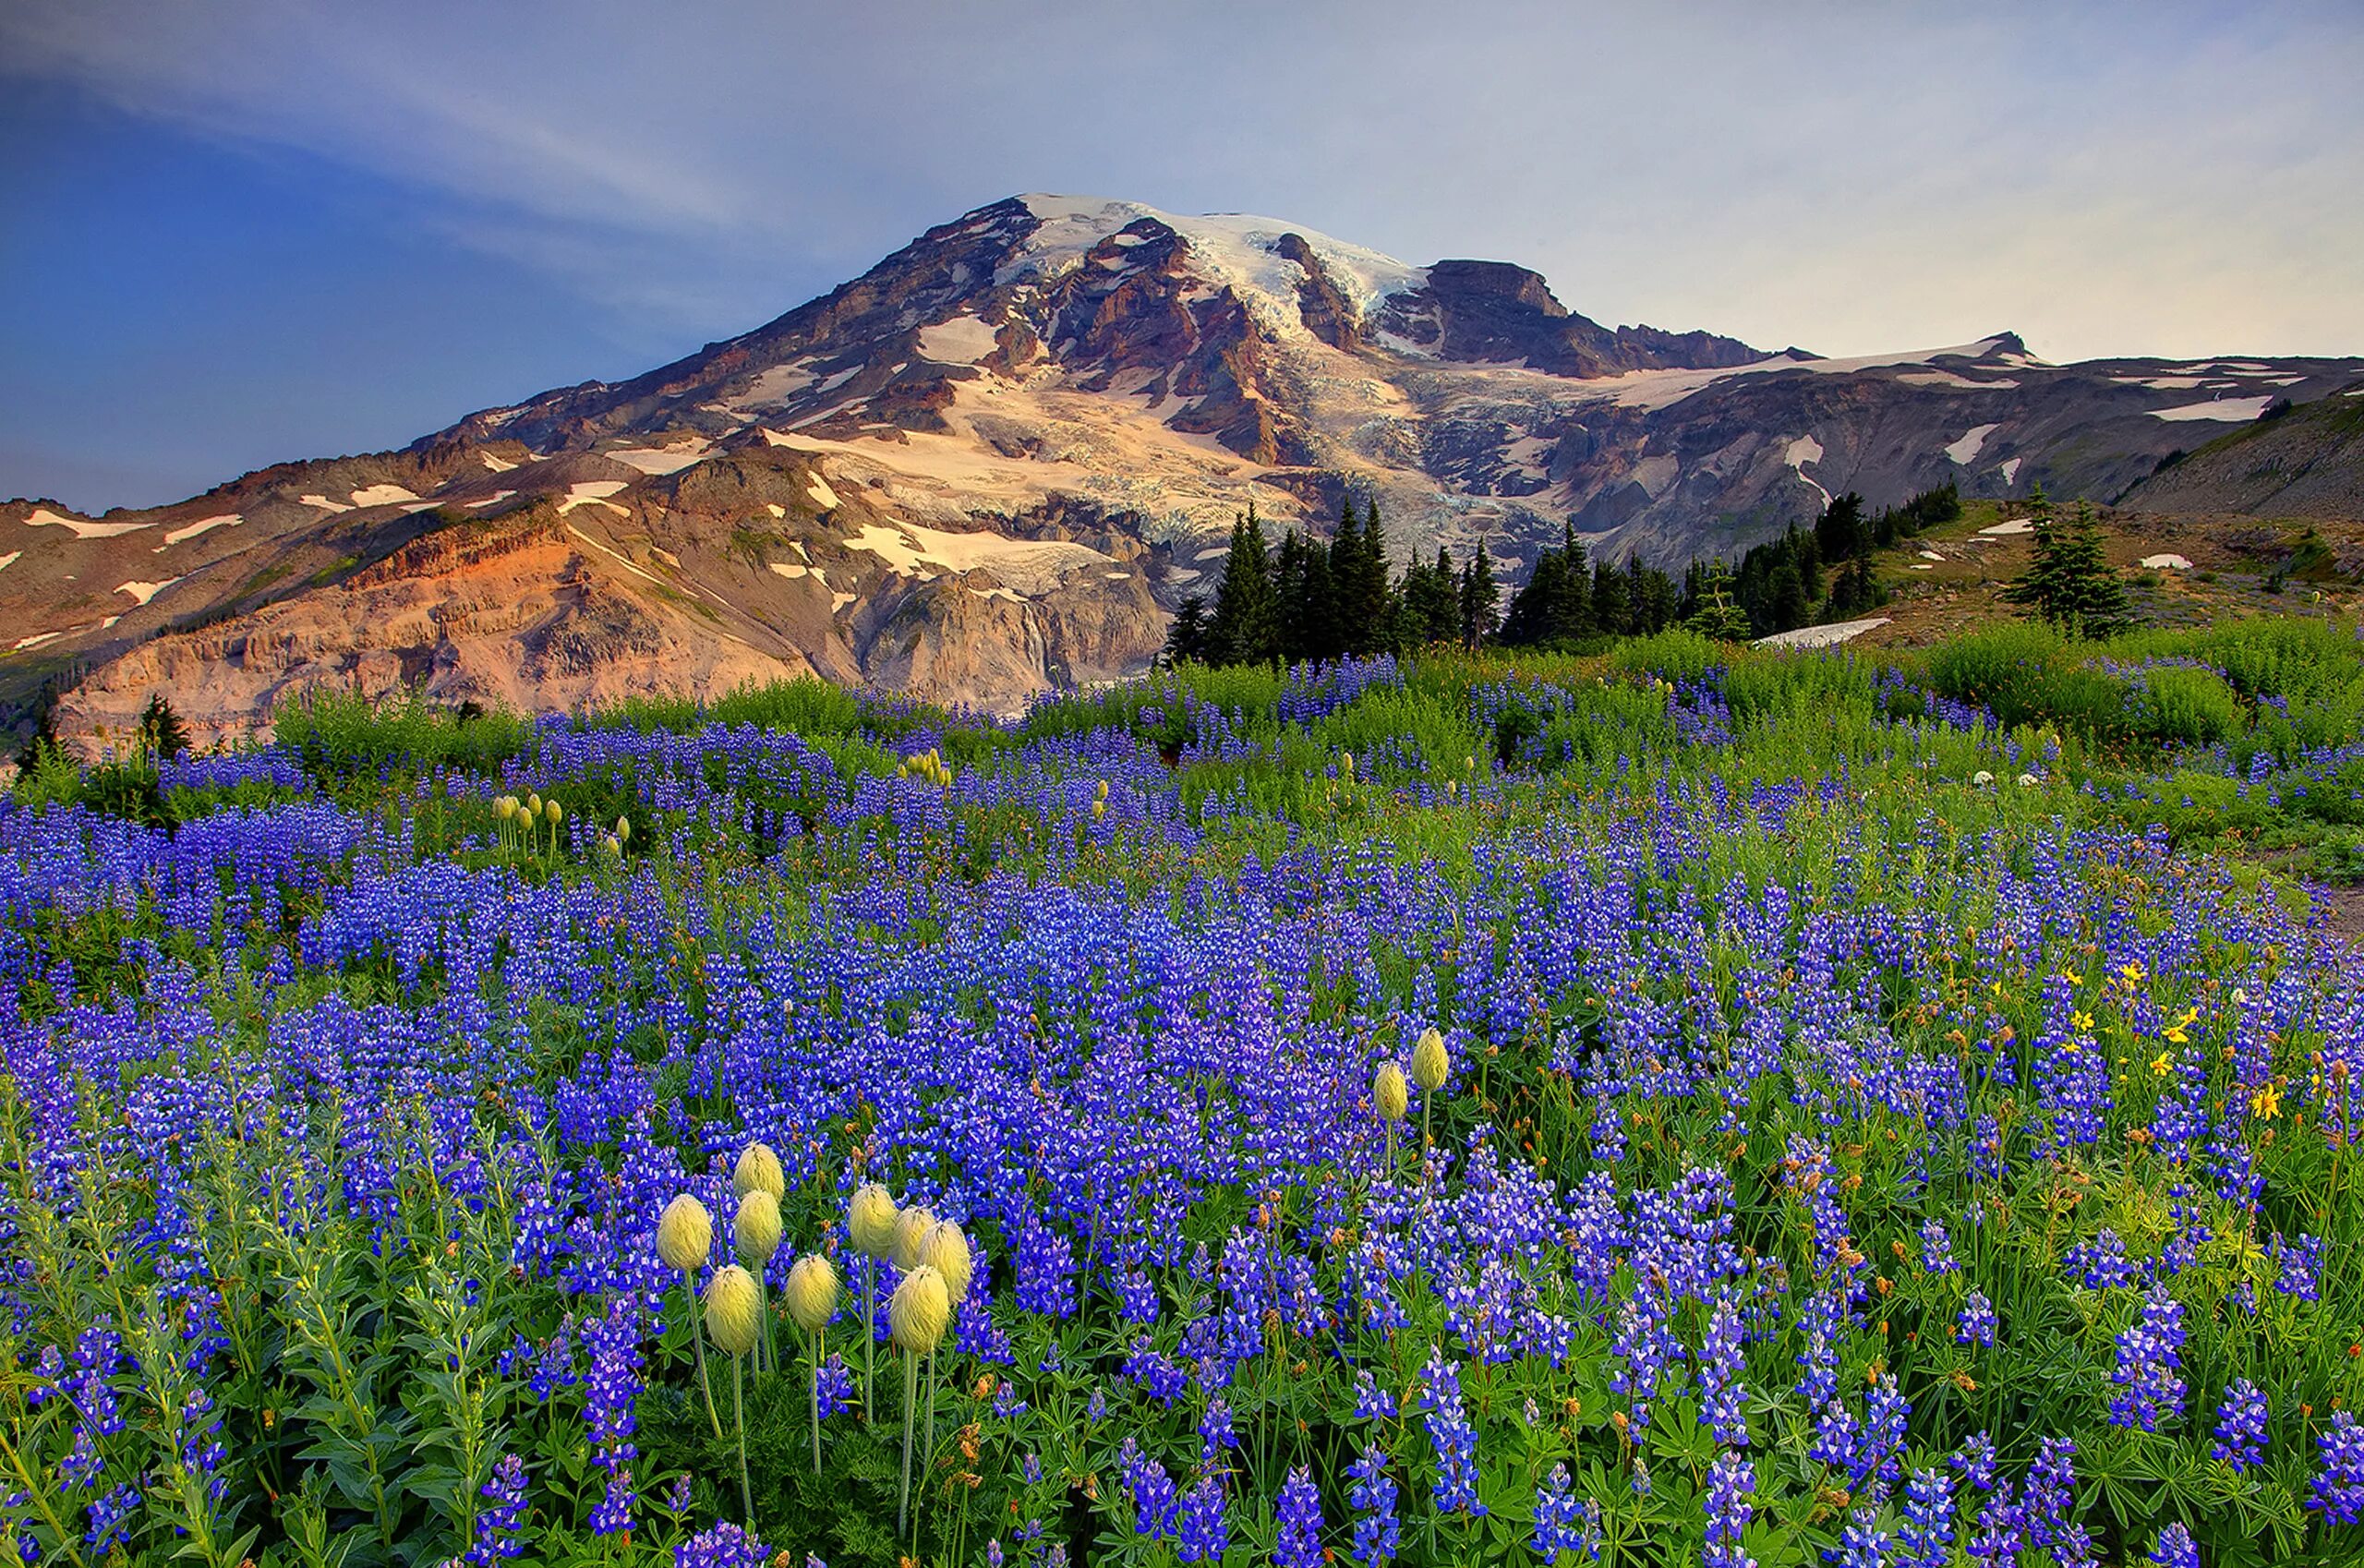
(1311, 602)
(1867, 1122)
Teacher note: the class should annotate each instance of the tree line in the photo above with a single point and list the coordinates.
(1309, 601)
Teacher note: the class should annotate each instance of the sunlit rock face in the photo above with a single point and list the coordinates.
(992, 465)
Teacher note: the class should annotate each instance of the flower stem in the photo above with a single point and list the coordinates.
(869, 1340)
(820, 1354)
(697, 1336)
(910, 1398)
(739, 1414)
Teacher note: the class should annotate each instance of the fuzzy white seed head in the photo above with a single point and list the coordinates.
(755, 1230)
(1430, 1067)
(944, 1249)
(870, 1217)
(812, 1291)
(758, 1171)
(684, 1234)
(919, 1311)
(911, 1228)
(733, 1312)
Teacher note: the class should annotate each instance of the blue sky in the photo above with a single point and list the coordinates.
(256, 230)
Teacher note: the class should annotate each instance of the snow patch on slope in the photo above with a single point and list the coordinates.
(1237, 249)
(382, 495)
(41, 517)
(1803, 450)
(2235, 410)
(1822, 636)
(1965, 450)
(670, 459)
(1033, 565)
(144, 592)
(963, 340)
(202, 525)
(595, 492)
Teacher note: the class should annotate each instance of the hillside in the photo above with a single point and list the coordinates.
(991, 466)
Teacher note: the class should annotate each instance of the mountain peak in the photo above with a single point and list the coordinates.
(994, 463)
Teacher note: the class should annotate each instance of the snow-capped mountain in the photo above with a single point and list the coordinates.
(993, 463)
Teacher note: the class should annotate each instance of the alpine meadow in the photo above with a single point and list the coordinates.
(1153, 886)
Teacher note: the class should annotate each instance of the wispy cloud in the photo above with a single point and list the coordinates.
(2105, 179)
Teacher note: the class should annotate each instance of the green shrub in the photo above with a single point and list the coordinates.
(2190, 706)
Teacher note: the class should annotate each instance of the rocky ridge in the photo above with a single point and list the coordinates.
(990, 466)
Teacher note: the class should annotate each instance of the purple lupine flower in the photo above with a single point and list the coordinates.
(725, 1545)
(1723, 1404)
(1975, 1462)
(610, 1391)
(1204, 1530)
(1451, 1435)
(1927, 1536)
(1938, 1248)
(1371, 1401)
(2338, 1490)
(2299, 1266)
(1978, 1321)
(2049, 1501)
(1999, 1533)
(1154, 1503)
(1216, 1435)
(1730, 1479)
(1862, 1543)
(110, 1515)
(1299, 1510)
(1886, 1413)
(2149, 1375)
(2175, 1548)
(2240, 1426)
(1835, 1432)
(1556, 1516)
(1377, 1531)
(497, 1527)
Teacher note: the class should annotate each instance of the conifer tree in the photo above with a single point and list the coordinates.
(161, 729)
(1186, 640)
(1431, 603)
(1611, 613)
(1358, 576)
(2069, 581)
(1245, 628)
(1480, 599)
(1717, 615)
(1841, 534)
(1315, 613)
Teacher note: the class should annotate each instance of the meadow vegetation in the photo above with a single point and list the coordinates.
(1676, 1105)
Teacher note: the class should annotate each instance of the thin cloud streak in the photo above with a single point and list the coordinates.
(2111, 179)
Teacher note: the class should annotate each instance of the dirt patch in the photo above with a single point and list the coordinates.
(2341, 908)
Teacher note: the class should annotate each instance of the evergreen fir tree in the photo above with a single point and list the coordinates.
(1611, 613)
(1554, 606)
(45, 735)
(1717, 615)
(1841, 534)
(1316, 612)
(161, 729)
(2069, 581)
(1431, 603)
(1288, 595)
(1480, 599)
(1186, 640)
(1245, 628)
(1358, 576)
